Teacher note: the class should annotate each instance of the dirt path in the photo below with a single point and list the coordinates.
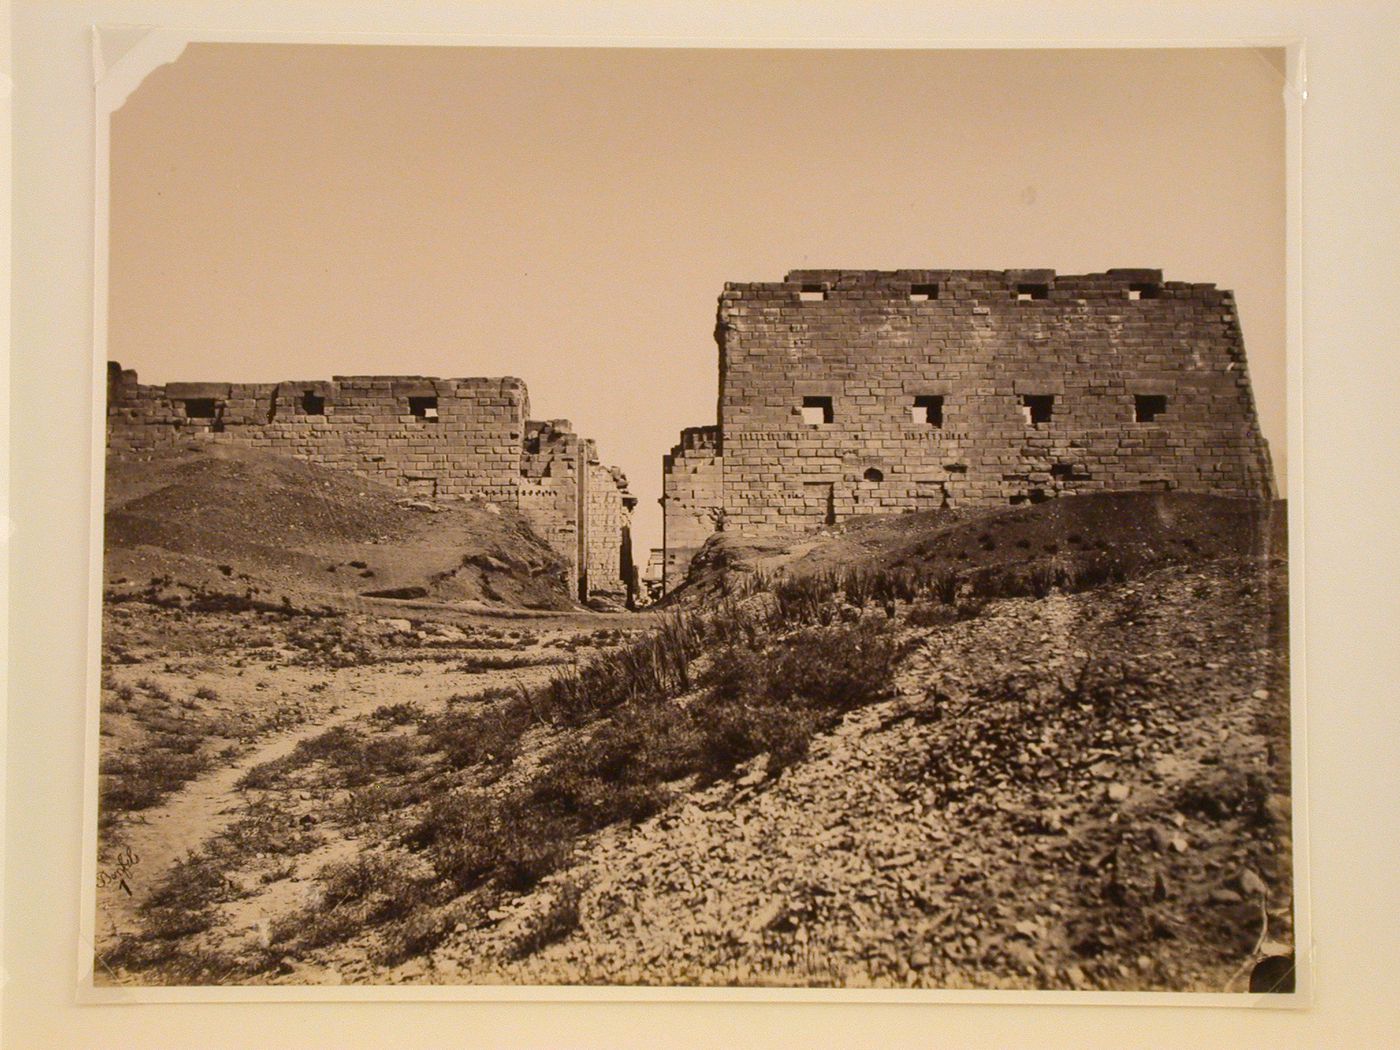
(164, 834)
(207, 804)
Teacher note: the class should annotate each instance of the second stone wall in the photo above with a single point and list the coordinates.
(692, 498)
(434, 438)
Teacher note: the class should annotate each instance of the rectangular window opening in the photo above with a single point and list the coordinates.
(313, 404)
(424, 407)
(923, 293)
(812, 293)
(200, 408)
(928, 409)
(1144, 291)
(1147, 407)
(817, 410)
(1037, 408)
(1032, 291)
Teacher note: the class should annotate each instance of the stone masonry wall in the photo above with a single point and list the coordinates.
(609, 517)
(434, 437)
(845, 392)
(463, 438)
(549, 489)
(692, 495)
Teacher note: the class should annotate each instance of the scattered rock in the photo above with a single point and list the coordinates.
(767, 916)
(1252, 884)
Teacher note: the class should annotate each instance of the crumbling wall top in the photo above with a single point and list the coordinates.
(933, 284)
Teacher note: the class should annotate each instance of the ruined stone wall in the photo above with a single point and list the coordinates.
(845, 392)
(549, 488)
(465, 438)
(692, 495)
(931, 388)
(433, 437)
(609, 514)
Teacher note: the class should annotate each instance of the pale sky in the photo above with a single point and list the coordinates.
(570, 216)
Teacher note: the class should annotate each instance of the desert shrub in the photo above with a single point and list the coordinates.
(268, 774)
(356, 759)
(739, 728)
(168, 961)
(494, 692)
(143, 781)
(776, 699)
(1224, 793)
(508, 661)
(838, 668)
(1100, 569)
(472, 839)
(858, 585)
(317, 928)
(356, 879)
(393, 755)
(471, 737)
(170, 924)
(265, 827)
(942, 584)
(401, 713)
(644, 721)
(657, 665)
(554, 924)
(532, 844)
(280, 870)
(153, 689)
(805, 599)
(970, 607)
(619, 772)
(193, 885)
(417, 934)
(177, 743)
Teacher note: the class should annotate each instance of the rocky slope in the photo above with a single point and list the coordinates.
(1072, 772)
(1084, 791)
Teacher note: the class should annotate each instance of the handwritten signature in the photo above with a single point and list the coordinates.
(119, 871)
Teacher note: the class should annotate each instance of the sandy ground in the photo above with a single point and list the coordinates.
(264, 705)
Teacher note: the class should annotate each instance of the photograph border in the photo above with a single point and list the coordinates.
(123, 56)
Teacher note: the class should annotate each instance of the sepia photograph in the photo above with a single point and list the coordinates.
(674, 518)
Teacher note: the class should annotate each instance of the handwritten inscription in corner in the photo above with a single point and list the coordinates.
(118, 873)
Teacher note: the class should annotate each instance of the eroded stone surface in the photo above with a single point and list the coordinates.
(848, 392)
(436, 438)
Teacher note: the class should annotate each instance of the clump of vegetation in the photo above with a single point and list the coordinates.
(184, 902)
(140, 782)
(475, 664)
(405, 712)
(552, 925)
(355, 759)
